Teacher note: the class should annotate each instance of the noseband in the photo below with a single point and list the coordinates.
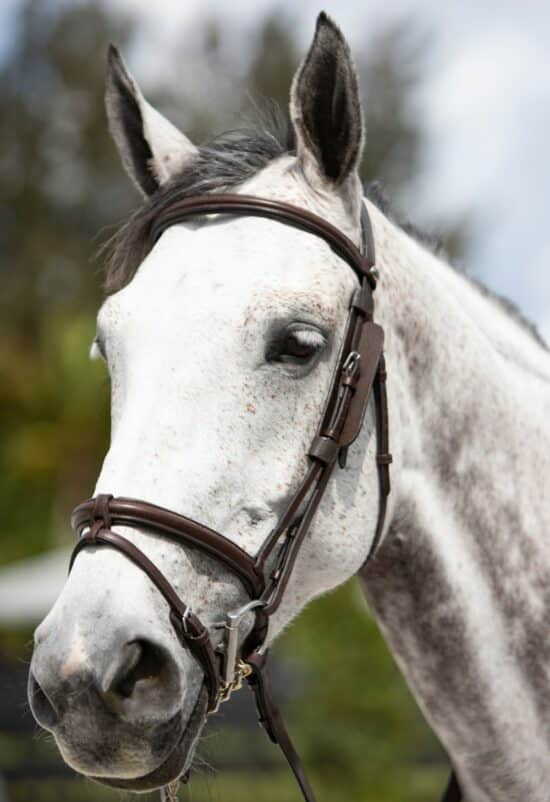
(359, 372)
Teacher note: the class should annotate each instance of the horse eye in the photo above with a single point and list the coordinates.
(297, 346)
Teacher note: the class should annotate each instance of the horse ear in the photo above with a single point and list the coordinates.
(152, 149)
(325, 107)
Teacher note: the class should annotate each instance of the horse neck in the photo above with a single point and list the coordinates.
(460, 584)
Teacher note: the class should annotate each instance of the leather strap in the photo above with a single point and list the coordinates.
(453, 792)
(383, 456)
(272, 722)
(134, 513)
(252, 206)
(190, 631)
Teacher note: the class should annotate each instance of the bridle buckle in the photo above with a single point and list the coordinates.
(232, 624)
(235, 670)
(242, 671)
(351, 364)
(185, 618)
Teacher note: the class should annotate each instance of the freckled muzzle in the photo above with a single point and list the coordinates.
(360, 370)
(174, 764)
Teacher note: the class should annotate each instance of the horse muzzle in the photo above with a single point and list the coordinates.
(114, 706)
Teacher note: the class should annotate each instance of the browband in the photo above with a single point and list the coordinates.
(361, 263)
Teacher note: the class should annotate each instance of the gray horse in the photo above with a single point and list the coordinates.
(220, 344)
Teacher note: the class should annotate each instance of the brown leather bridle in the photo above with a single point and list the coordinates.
(359, 372)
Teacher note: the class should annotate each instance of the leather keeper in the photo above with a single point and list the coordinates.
(191, 631)
(94, 530)
(350, 381)
(101, 511)
(196, 632)
(363, 302)
(324, 449)
(176, 622)
(385, 484)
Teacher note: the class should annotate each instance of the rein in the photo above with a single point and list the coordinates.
(359, 373)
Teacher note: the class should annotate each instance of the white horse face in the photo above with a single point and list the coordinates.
(220, 352)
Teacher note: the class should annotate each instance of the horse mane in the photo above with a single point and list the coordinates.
(230, 159)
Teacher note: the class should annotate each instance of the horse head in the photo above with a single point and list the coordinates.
(220, 340)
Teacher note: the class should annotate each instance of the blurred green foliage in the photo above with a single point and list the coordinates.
(353, 719)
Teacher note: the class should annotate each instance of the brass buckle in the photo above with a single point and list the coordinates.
(242, 671)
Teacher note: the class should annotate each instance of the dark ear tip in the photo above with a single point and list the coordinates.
(115, 64)
(113, 54)
(326, 24)
(117, 74)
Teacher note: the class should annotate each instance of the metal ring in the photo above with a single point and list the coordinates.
(351, 363)
(184, 619)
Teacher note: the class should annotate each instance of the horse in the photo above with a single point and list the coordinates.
(221, 337)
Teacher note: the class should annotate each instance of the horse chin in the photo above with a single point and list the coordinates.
(178, 760)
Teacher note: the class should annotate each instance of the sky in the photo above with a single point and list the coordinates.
(485, 103)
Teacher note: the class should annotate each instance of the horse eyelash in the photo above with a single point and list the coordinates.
(310, 337)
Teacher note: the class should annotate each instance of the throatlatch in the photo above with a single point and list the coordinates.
(359, 374)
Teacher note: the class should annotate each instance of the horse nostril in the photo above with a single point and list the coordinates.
(143, 662)
(42, 709)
